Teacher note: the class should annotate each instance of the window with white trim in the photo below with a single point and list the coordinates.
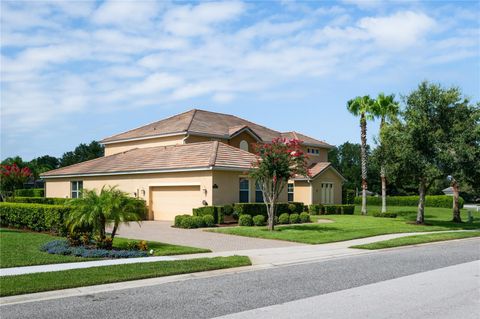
(76, 188)
(290, 188)
(313, 151)
(326, 192)
(258, 193)
(244, 194)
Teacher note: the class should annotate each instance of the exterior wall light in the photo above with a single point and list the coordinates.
(215, 186)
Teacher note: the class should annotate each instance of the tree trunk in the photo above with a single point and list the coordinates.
(363, 126)
(271, 216)
(384, 189)
(114, 231)
(456, 209)
(421, 202)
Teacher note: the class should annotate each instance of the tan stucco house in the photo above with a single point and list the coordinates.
(192, 159)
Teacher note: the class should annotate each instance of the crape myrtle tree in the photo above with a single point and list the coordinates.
(431, 140)
(276, 163)
(362, 106)
(12, 177)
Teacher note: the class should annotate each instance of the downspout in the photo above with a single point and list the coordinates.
(185, 138)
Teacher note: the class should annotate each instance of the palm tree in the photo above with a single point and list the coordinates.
(362, 106)
(385, 107)
(96, 210)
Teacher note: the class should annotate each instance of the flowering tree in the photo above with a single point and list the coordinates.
(277, 162)
(13, 176)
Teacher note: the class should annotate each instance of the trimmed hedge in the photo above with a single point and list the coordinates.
(294, 219)
(284, 218)
(245, 220)
(430, 201)
(30, 192)
(38, 200)
(305, 217)
(218, 212)
(319, 209)
(254, 209)
(36, 217)
(259, 220)
(385, 215)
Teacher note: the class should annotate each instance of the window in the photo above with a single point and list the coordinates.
(258, 194)
(290, 192)
(244, 145)
(76, 188)
(313, 151)
(326, 193)
(244, 190)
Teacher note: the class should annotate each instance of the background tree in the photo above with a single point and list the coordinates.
(385, 108)
(277, 162)
(419, 142)
(43, 164)
(363, 107)
(12, 177)
(82, 152)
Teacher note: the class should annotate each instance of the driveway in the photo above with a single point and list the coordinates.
(163, 232)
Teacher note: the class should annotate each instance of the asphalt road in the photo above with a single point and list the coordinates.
(233, 293)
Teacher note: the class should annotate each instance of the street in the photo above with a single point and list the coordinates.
(429, 281)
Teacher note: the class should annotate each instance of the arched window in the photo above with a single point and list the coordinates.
(244, 145)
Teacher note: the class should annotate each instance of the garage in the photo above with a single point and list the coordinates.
(169, 201)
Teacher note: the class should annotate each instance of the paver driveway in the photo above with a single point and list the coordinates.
(163, 232)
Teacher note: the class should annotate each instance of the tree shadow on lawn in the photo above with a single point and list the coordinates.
(449, 224)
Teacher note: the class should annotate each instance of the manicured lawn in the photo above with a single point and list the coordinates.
(23, 284)
(418, 239)
(346, 227)
(21, 248)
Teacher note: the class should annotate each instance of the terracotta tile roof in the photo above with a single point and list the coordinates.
(316, 168)
(207, 123)
(306, 139)
(175, 157)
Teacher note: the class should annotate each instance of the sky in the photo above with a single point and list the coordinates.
(77, 71)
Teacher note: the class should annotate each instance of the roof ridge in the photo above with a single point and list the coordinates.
(213, 156)
(191, 120)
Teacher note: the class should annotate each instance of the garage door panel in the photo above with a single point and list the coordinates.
(169, 201)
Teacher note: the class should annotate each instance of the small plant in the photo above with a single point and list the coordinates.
(198, 221)
(179, 220)
(304, 217)
(259, 220)
(292, 208)
(103, 243)
(187, 222)
(74, 239)
(245, 220)
(208, 220)
(61, 247)
(284, 218)
(385, 215)
(142, 245)
(131, 245)
(294, 219)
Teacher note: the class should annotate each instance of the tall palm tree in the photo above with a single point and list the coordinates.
(96, 210)
(385, 107)
(362, 106)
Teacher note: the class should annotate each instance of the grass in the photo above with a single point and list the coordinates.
(23, 284)
(346, 227)
(418, 239)
(21, 248)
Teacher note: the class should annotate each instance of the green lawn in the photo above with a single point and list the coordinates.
(23, 284)
(21, 248)
(346, 227)
(418, 239)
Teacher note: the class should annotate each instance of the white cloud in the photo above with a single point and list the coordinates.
(398, 31)
(126, 13)
(156, 83)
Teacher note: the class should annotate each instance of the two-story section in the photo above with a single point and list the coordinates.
(192, 159)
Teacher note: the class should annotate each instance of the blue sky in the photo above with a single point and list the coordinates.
(78, 71)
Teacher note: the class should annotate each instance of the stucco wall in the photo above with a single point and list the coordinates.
(246, 137)
(328, 176)
(125, 146)
(316, 158)
(302, 192)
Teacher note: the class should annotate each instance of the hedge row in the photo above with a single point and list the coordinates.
(37, 217)
(254, 209)
(319, 209)
(30, 192)
(218, 213)
(38, 200)
(189, 221)
(430, 201)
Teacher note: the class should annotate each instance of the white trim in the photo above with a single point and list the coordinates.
(174, 184)
(144, 137)
(249, 131)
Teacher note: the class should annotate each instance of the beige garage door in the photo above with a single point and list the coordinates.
(169, 201)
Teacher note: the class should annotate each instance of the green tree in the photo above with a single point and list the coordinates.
(82, 152)
(12, 177)
(362, 106)
(42, 164)
(277, 162)
(385, 108)
(95, 210)
(425, 141)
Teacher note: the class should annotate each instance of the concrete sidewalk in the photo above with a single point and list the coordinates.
(263, 256)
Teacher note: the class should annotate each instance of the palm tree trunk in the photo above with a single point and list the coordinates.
(456, 208)
(363, 127)
(421, 202)
(114, 230)
(384, 189)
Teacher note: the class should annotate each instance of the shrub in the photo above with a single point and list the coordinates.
(142, 245)
(294, 219)
(61, 247)
(292, 208)
(245, 220)
(304, 217)
(208, 221)
(30, 192)
(198, 221)
(187, 222)
(259, 220)
(36, 217)
(216, 211)
(179, 219)
(315, 209)
(332, 210)
(254, 209)
(385, 215)
(430, 201)
(284, 218)
(348, 209)
(228, 210)
(38, 200)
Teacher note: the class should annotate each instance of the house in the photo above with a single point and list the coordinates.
(192, 159)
